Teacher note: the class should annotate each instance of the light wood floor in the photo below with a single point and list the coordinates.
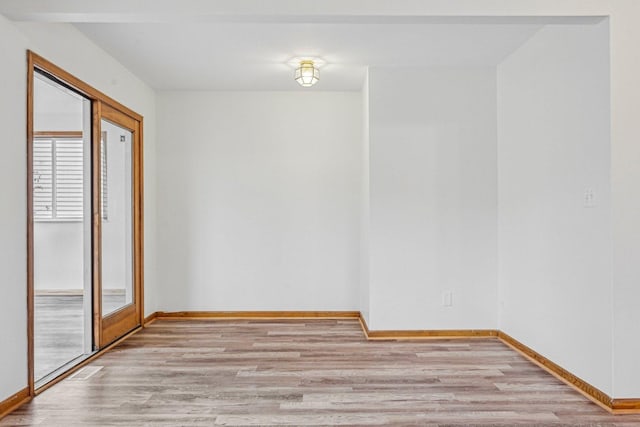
(317, 372)
(59, 329)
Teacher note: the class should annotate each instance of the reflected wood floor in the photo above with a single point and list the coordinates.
(59, 329)
(315, 372)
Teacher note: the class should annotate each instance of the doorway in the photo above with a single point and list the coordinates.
(84, 222)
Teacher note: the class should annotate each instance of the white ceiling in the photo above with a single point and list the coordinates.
(246, 44)
(256, 56)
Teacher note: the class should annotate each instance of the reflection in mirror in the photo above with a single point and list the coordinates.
(117, 217)
(62, 281)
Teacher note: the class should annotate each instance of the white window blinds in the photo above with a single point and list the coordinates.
(58, 179)
(42, 179)
(104, 194)
(68, 178)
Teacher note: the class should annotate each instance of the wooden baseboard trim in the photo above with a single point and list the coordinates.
(265, 315)
(615, 406)
(58, 292)
(625, 406)
(593, 393)
(382, 335)
(363, 325)
(14, 401)
(432, 334)
(72, 292)
(150, 319)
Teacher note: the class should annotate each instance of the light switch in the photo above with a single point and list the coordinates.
(447, 298)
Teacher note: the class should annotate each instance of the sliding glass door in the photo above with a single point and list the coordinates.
(84, 234)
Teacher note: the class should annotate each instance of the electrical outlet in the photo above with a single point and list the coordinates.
(447, 298)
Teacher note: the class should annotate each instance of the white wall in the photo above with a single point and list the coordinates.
(68, 48)
(54, 109)
(58, 248)
(625, 195)
(13, 224)
(433, 197)
(364, 204)
(555, 251)
(260, 201)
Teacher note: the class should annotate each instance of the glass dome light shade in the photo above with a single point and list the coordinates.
(307, 74)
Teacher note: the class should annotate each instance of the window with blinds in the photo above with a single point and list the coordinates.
(43, 179)
(58, 179)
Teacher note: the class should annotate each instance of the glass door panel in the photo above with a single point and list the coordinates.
(61, 218)
(117, 212)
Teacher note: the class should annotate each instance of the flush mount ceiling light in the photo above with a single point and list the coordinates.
(306, 74)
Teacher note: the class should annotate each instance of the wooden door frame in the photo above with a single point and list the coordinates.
(98, 99)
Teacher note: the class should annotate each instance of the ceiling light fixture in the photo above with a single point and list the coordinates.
(306, 74)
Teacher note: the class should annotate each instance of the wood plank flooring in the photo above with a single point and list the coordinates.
(59, 327)
(58, 331)
(312, 372)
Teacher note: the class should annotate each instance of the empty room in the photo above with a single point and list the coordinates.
(320, 213)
